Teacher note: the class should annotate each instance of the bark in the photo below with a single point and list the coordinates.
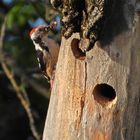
(98, 98)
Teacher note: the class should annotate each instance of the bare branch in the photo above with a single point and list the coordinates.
(23, 99)
(21, 94)
(6, 58)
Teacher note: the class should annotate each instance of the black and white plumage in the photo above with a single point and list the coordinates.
(47, 49)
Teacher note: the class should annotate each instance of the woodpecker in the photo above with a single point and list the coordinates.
(47, 50)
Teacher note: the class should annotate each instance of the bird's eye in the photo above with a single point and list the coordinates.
(46, 28)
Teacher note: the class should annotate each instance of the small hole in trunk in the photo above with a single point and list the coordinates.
(104, 94)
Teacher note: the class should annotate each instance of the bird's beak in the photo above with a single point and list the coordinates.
(53, 25)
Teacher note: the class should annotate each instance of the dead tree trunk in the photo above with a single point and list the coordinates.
(96, 94)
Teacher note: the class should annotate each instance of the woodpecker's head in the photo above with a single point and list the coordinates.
(37, 33)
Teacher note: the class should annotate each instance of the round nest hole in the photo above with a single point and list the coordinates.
(104, 94)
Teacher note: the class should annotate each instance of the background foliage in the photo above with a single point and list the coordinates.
(22, 16)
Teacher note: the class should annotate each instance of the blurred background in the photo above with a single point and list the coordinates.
(24, 92)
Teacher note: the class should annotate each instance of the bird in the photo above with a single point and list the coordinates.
(47, 50)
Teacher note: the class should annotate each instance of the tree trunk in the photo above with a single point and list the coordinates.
(98, 98)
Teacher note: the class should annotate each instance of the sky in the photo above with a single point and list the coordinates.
(7, 1)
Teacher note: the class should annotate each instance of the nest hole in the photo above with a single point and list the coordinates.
(104, 94)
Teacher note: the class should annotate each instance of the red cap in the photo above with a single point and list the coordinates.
(33, 30)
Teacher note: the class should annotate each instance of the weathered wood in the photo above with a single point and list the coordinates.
(97, 98)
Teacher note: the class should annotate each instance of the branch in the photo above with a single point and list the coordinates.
(21, 94)
(23, 99)
(6, 58)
